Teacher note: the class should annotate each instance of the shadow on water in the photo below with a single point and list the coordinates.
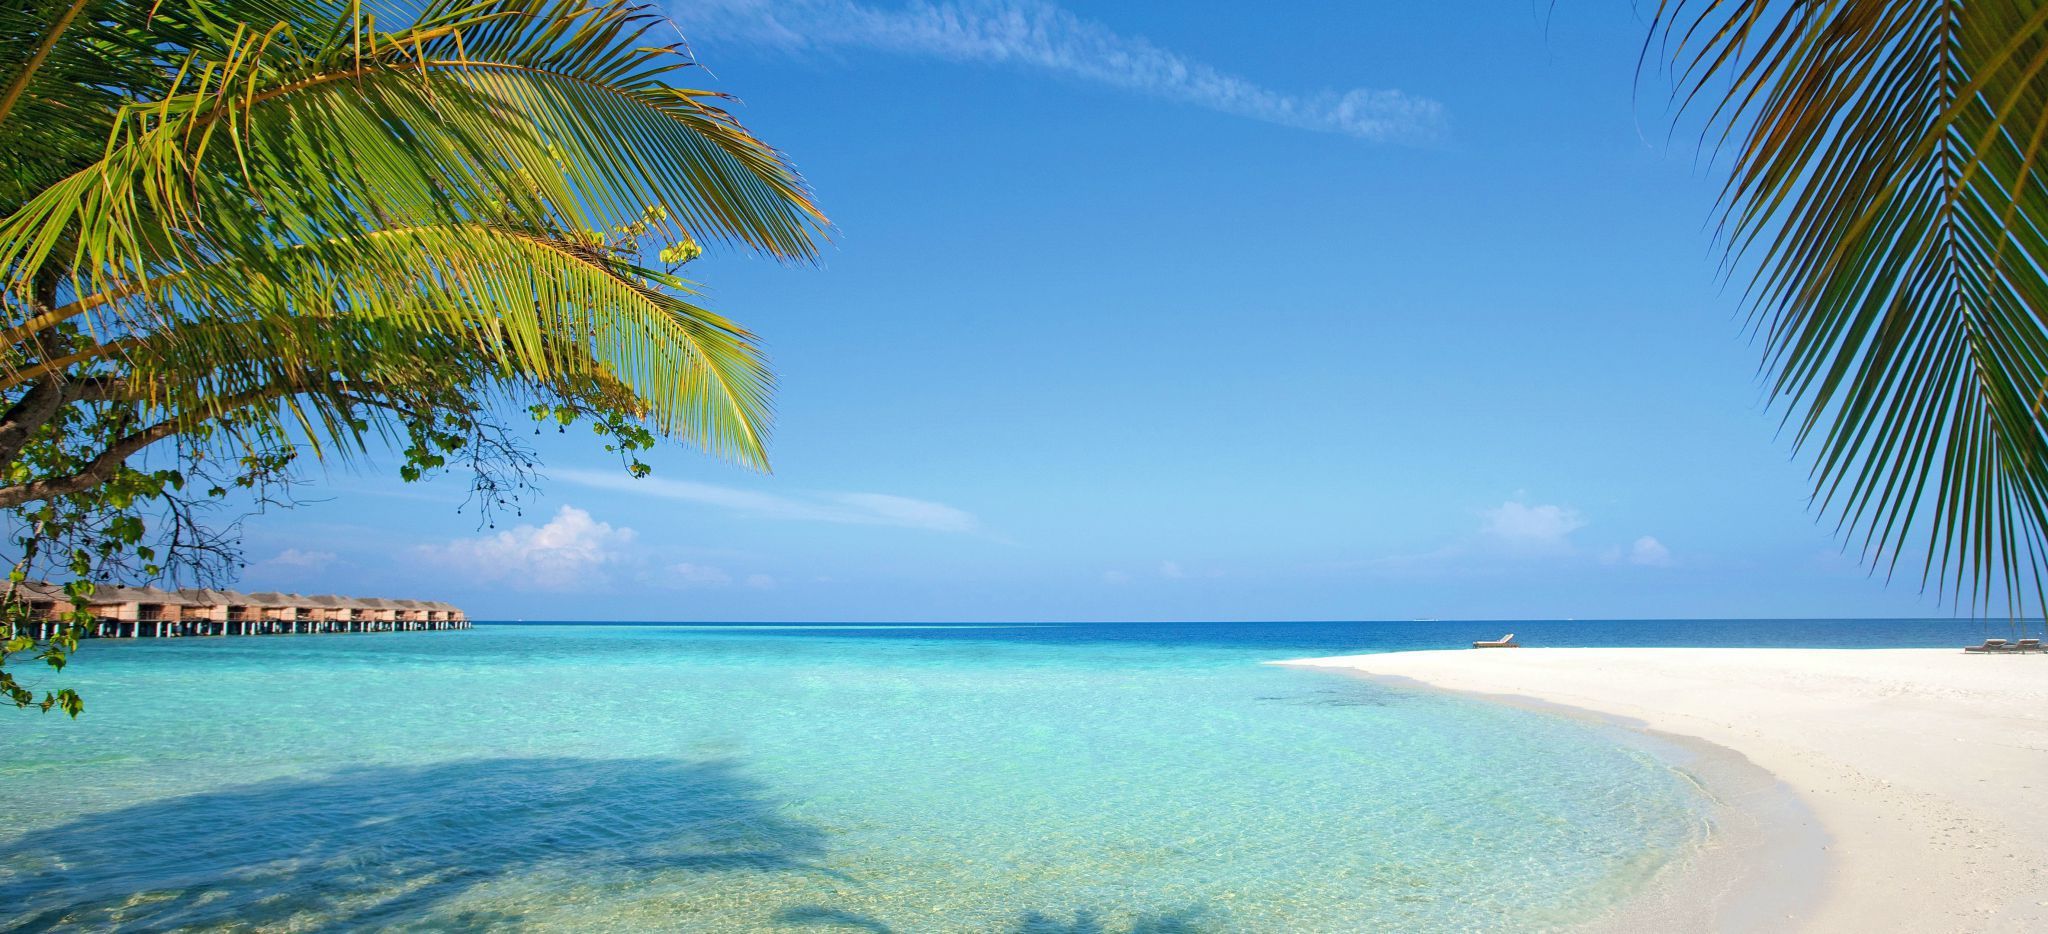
(1186, 921)
(382, 845)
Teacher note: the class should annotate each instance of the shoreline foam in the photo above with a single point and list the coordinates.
(1923, 769)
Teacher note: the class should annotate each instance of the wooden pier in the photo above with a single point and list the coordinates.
(150, 613)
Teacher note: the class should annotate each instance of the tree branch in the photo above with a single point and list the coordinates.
(104, 465)
(32, 411)
(99, 471)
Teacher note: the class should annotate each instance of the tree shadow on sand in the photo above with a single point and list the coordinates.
(380, 845)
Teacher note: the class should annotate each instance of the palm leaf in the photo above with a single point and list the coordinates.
(1887, 194)
(439, 181)
(538, 110)
(439, 305)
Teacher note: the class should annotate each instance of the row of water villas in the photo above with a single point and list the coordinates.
(151, 613)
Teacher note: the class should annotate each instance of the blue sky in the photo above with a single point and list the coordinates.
(1184, 310)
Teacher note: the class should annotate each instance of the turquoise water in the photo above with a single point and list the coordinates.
(1074, 779)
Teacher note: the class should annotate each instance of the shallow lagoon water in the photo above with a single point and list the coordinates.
(1074, 779)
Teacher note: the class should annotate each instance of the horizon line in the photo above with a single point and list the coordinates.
(1213, 622)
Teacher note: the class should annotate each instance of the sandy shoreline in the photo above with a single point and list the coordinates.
(1927, 769)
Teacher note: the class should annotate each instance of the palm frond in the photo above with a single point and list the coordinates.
(438, 180)
(539, 109)
(1888, 193)
(419, 304)
(74, 63)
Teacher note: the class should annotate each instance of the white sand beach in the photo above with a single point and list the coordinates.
(1927, 769)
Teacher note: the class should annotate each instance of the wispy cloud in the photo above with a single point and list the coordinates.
(1646, 551)
(685, 574)
(1042, 35)
(299, 558)
(1541, 529)
(1650, 552)
(1166, 570)
(1518, 533)
(845, 508)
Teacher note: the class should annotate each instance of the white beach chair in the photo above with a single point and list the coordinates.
(1504, 642)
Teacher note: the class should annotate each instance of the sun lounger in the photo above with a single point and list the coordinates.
(1993, 645)
(1504, 642)
(2028, 645)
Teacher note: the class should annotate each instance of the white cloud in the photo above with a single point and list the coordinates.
(1040, 34)
(1649, 551)
(570, 552)
(1116, 577)
(761, 581)
(849, 508)
(1539, 529)
(1516, 533)
(1512, 532)
(1171, 570)
(296, 558)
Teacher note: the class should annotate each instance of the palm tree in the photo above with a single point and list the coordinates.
(239, 228)
(1887, 194)
(280, 210)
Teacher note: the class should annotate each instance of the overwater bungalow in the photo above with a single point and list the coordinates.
(378, 609)
(330, 611)
(122, 612)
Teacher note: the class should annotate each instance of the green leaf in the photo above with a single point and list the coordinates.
(1887, 199)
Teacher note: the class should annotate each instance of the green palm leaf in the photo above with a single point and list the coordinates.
(449, 181)
(1888, 191)
(417, 303)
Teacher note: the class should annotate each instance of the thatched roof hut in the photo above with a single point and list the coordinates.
(375, 608)
(122, 602)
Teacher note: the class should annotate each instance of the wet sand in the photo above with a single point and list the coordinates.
(1926, 771)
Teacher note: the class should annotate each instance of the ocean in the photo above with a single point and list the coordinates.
(1134, 777)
